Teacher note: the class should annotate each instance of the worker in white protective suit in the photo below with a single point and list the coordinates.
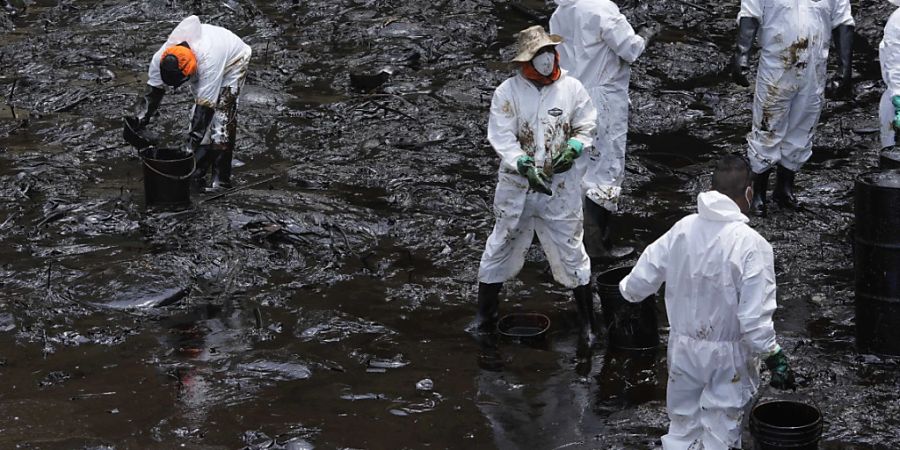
(215, 61)
(541, 121)
(889, 55)
(720, 296)
(599, 47)
(794, 36)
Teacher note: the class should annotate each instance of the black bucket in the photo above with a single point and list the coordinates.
(167, 176)
(630, 326)
(782, 424)
(136, 136)
(889, 159)
(877, 262)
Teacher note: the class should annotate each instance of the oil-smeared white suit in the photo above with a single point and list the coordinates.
(598, 49)
(889, 56)
(222, 62)
(720, 296)
(526, 120)
(794, 36)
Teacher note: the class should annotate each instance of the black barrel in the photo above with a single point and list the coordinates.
(630, 326)
(167, 173)
(889, 159)
(877, 262)
(781, 425)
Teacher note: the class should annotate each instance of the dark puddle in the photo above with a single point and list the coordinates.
(326, 308)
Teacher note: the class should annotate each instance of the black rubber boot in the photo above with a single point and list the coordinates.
(222, 167)
(203, 158)
(488, 301)
(842, 85)
(200, 120)
(596, 234)
(784, 189)
(760, 185)
(584, 301)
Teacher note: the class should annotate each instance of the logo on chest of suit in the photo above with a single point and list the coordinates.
(555, 112)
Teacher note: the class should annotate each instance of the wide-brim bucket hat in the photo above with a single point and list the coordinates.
(532, 39)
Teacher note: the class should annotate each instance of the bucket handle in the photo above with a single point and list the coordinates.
(171, 177)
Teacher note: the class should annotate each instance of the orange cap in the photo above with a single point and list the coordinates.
(187, 62)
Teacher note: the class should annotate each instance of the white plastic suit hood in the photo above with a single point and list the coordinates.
(222, 58)
(713, 205)
(188, 30)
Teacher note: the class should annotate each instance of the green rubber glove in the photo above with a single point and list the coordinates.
(564, 160)
(537, 179)
(782, 375)
(896, 122)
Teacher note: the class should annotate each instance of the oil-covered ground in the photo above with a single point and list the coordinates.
(325, 307)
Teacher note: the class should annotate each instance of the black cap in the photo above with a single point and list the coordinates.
(170, 72)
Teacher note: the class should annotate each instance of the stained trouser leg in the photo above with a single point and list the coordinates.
(805, 110)
(224, 135)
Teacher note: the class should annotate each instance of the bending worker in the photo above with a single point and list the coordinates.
(599, 47)
(720, 296)
(540, 123)
(889, 55)
(790, 83)
(215, 61)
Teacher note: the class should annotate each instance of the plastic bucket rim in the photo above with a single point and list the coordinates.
(542, 317)
(864, 179)
(891, 152)
(815, 424)
(145, 162)
(601, 275)
(147, 158)
(634, 349)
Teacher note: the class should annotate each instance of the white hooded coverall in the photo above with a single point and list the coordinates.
(889, 55)
(525, 120)
(720, 296)
(794, 36)
(222, 61)
(599, 48)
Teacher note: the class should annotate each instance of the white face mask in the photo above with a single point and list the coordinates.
(543, 63)
(748, 195)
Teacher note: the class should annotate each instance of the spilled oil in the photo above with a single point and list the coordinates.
(307, 311)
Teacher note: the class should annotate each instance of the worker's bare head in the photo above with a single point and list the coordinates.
(177, 65)
(732, 177)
